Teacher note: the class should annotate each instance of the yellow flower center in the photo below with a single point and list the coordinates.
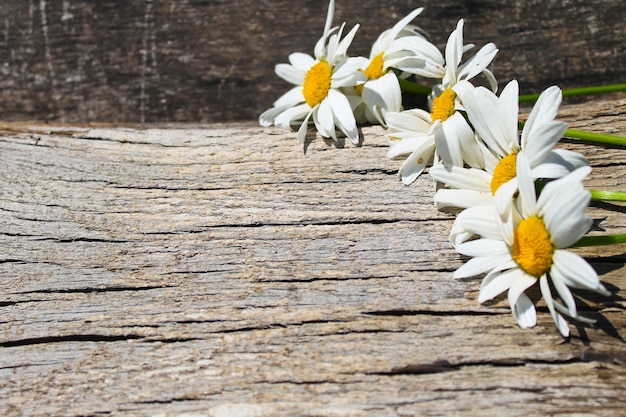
(443, 106)
(532, 247)
(374, 70)
(317, 83)
(504, 171)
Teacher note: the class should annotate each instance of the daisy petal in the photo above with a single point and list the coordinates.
(479, 265)
(575, 272)
(544, 111)
(447, 145)
(508, 113)
(495, 283)
(461, 198)
(414, 120)
(503, 199)
(302, 131)
(324, 119)
(524, 311)
(526, 185)
(342, 47)
(301, 61)
(522, 308)
(406, 145)
(477, 64)
(416, 162)
(345, 75)
(481, 106)
(395, 30)
(563, 213)
(294, 114)
(462, 178)
(343, 116)
(290, 73)
(566, 295)
(560, 322)
(383, 95)
(479, 220)
(457, 137)
(454, 51)
(483, 248)
(543, 139)
(290, 98)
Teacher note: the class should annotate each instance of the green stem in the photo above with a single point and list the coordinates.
(595, 137)
(411, 87)
(597, 195)
(589, 136)
(583, 91)
(600, 240)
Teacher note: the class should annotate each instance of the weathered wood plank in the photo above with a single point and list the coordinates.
(213, 61)
(219, 270)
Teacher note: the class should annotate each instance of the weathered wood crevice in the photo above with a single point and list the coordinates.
(68, 338)
(447, 313)
(87, 290)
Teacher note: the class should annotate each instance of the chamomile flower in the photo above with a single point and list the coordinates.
(398, 52)
(453, 137)
(443, 134)
(495, 121)
(318, 81)
(528, 246)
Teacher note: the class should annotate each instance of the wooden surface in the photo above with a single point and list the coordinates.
(218, 270)
(213, 61)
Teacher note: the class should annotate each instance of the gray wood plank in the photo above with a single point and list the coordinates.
(218, 270)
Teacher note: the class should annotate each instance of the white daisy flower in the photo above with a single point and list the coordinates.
(495, 121)
(443, 134)
(318, 81)
(453, 137)
(398, 52)
(529, 246)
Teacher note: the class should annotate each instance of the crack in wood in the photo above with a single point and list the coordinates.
(87, 290)
(14, 261)
(166, 188)
(69, 338)
(326, 279)
(12, 303)
(296, 223)
(96, 338)
(87, 240)
(448, 313)
(367, 171)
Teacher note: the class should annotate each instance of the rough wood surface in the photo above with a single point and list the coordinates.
(218, 270)
(213, 61)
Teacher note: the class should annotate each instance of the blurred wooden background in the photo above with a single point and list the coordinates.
(207, 61)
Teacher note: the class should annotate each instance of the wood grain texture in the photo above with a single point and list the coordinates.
(218, 270)
(213, 61)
